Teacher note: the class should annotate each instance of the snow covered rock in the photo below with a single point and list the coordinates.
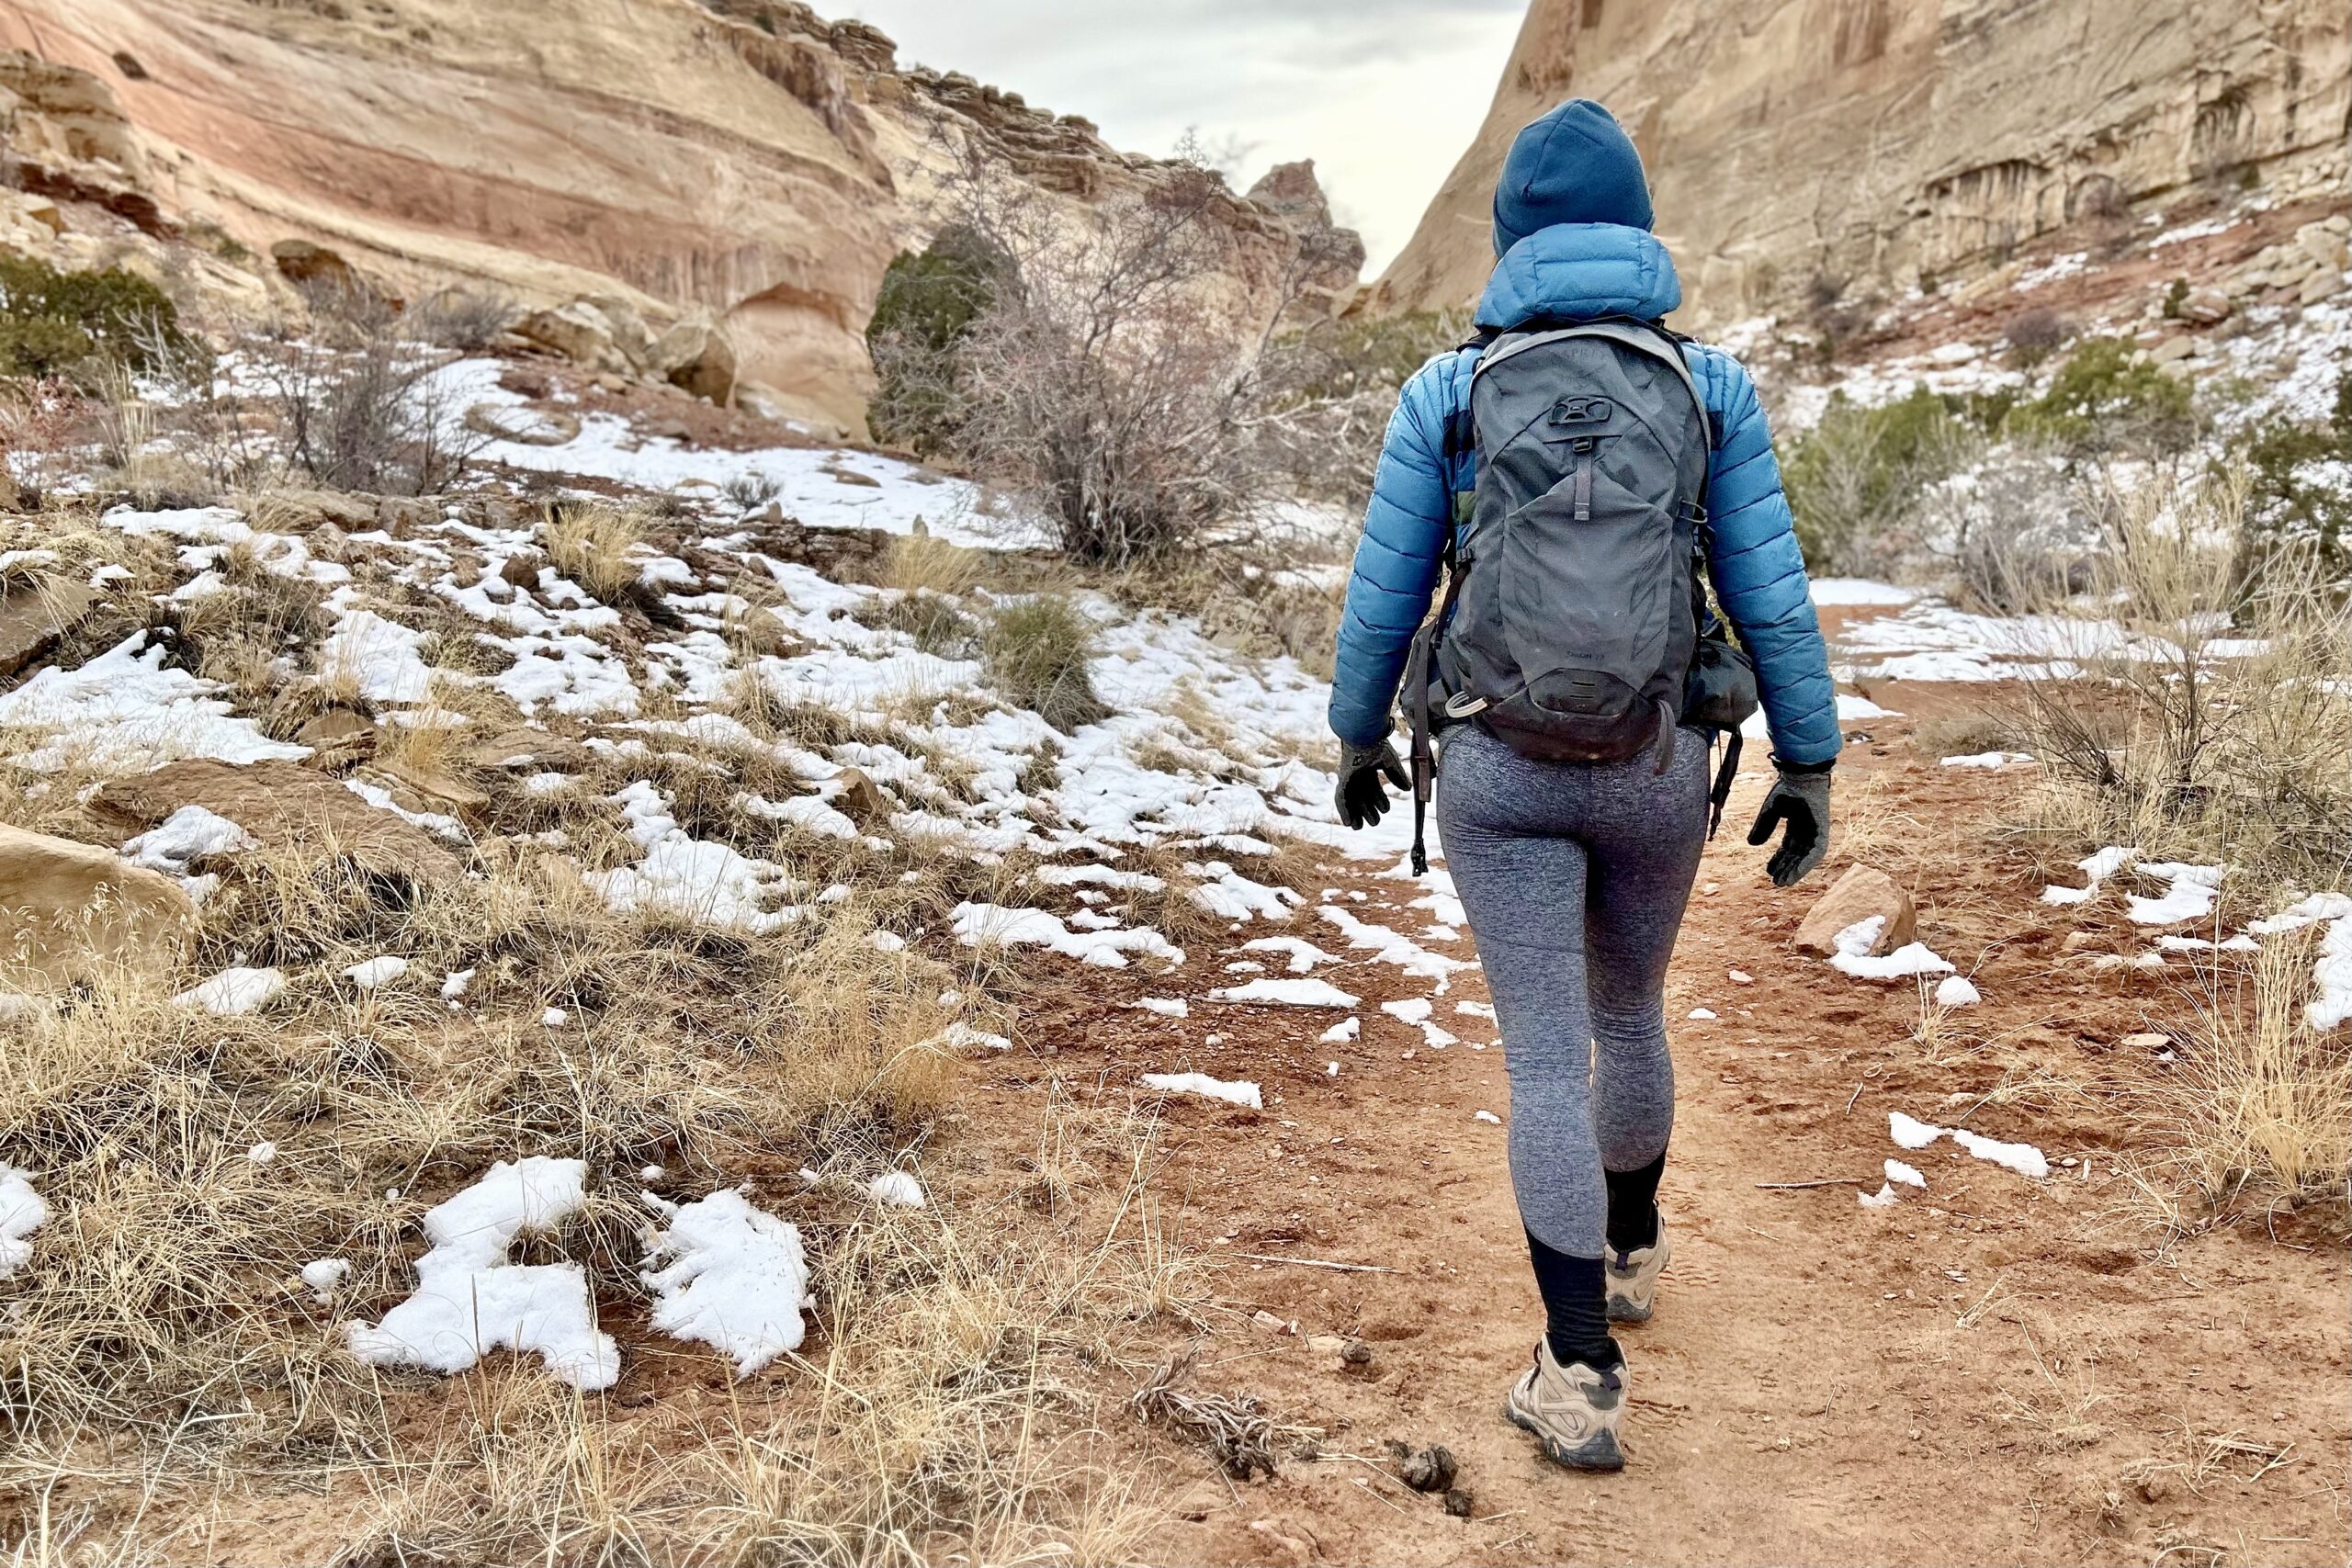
(76, 910)
(187, 836)
(1863, 892)
(288, 808)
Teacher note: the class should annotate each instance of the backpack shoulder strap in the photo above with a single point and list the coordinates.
(1643, 337)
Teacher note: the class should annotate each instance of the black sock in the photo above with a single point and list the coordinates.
(1633, 1205)
(1575, 1307)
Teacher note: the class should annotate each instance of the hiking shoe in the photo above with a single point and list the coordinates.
(1572, 1410)
(1633, 1277)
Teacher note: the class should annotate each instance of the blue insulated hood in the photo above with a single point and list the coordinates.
(1581, 272)
(1574, 165)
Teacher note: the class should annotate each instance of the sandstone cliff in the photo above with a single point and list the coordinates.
(1812, 148)
(741, 158)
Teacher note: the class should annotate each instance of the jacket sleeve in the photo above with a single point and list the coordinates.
(1758, 571)
(1397, 558)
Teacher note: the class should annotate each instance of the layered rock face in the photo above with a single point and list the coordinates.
(738, 159)
(1804, 148)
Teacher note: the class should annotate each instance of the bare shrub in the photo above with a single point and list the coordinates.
(2015, 527)
(357, 404)
(466, 318)
(1327, 390)
(1105, 382)
(751, 489)
(2034, 335)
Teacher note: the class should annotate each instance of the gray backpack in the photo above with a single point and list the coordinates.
(1575, 625)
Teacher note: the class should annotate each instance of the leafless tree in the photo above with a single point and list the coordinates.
(1116, 382)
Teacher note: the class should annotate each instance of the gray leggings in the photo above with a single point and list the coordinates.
(1574, 879)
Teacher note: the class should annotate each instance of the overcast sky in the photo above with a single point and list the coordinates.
(1383, 95)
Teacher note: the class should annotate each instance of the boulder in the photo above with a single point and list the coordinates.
(2205, 307)
(1854, 897)
(290, 509)
(631, 336)
(762, 401)
(314, 267)
(290, 807)
(2325, 246)
(698, 356)
(337, 738)
(860, 799)
(437, 791)
(2320, 286)
(578, 332)
(76, 912)
(525, 427)
(34, 616)
(2172, 348)
(532, 749)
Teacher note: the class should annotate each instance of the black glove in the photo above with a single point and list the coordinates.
(1360, 800)
(1801, 800)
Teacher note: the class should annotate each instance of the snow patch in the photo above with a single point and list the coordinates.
(234, 992)
(322, 1275)
(1272, 992)
(708, 883)
(469, 1299)
(370, 973)
(22, 1211)
(977, 925)
(1853, 955)
(124, 712)
(1242, 1094)
(184, 837)
(896, 1189)
(727, 1275)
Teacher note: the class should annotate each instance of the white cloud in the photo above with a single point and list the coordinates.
(1383, 94)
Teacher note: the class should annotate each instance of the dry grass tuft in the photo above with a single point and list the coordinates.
(1035, 651)
(594, 545)
(2215, 726)
(2258, 1112)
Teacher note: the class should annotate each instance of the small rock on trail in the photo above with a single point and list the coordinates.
(1862, 892)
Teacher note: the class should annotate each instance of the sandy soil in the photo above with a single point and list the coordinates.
(1996, 1371)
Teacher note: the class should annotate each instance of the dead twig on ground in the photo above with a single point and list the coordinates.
(1317, 1263)
(1235, 1428)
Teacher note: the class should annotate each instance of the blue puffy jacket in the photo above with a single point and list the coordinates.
(1581, 270)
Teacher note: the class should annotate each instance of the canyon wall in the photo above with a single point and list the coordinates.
(743, 158)
(1802, 151)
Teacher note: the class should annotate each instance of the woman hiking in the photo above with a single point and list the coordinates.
(1581, 477)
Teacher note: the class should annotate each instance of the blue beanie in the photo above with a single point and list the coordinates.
(1574, 165)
